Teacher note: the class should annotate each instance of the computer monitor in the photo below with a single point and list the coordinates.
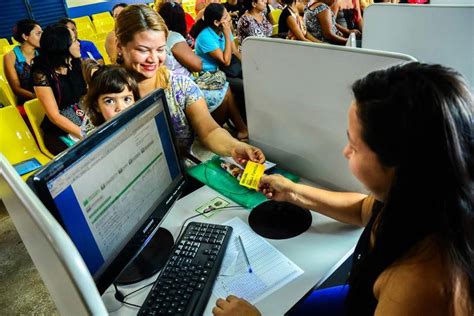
(112, 190)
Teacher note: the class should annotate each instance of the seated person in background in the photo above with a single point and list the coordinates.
(141, 36)
(181, 60)
(200, 13)
(291, 25)
(348, 14)
(17, 62)
(410, 143)
(254, 22)
(111, 89)
(235, 8)
(321, 23)
(59, 85)
(88, 49)
(110, 40)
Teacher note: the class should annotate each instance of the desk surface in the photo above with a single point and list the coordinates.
(318, 251)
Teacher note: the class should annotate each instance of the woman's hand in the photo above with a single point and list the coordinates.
(226, 27)
(357, 33)
(234, 306)
(277, 187)
(243, 152)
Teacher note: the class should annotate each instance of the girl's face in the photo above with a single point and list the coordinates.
(363, 162)
(225, 18)
(34, 37)
(145, 53)
(75, 48)
(110, 104)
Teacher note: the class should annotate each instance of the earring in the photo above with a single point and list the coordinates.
(119, 59)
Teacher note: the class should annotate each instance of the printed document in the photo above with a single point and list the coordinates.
(271, 270)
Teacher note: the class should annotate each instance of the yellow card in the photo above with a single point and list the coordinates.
(252, 174)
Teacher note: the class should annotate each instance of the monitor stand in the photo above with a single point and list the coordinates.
(150, 260)
(279, 220)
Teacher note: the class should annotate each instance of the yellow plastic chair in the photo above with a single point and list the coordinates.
(84, 30)
(35, 112)
(16, 142)
(4, 42)
(104, 27)
(99, 37)
(102, 15)
(275, 29)
(275, 15)
(84, 20)
(7, 97)
(2, 71)
(5, 49)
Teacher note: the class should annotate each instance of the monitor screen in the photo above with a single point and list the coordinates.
(111, 191)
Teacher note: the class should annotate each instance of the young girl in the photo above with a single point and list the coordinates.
(111, 89)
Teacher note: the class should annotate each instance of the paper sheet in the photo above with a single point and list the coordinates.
(271, 269)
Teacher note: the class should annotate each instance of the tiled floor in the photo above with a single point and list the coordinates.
(22, 291)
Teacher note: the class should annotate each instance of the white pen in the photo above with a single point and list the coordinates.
(245, 254)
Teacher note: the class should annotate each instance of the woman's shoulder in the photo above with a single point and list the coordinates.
(318, 6)
(422, 282)
(174, 38)
(10, 56)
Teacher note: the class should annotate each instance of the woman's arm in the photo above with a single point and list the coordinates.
(217, 139)
(295, 29)
(47, 99)
(224, 57)
(12, 77)
(416, 285)
(186, 57)
(360, 22)
(342, 206)
(325, 21)
(313, 39)
(111, 47)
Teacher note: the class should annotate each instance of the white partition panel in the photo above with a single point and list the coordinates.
(297, 95)
(58, 262)
(442, 34)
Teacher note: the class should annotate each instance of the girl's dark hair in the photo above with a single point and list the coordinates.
(287, 2)
(174, 17)
(105, 79)
(21, 27)
(213, 12)
(419, 119)
(54, 48)
(248, 4)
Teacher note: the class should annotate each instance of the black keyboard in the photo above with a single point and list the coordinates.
(185, 283)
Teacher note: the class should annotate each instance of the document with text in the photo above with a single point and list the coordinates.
(271, 270)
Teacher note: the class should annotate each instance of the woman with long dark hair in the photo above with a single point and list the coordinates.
(17, 62)
(411, 143)
(59, 85)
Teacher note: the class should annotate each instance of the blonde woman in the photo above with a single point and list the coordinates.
(141, 47)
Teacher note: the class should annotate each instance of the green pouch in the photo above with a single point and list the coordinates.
(211, 174)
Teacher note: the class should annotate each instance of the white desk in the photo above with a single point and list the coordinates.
(318, 251)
